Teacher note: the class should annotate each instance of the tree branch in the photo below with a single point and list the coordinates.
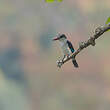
(91, 41)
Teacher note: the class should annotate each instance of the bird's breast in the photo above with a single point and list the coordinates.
(65, 49)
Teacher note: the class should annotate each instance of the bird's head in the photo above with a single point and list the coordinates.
(60, 37)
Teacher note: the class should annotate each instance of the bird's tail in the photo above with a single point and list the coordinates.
(75, 63)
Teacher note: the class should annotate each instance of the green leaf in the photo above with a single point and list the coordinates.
(59, 0)
(108, 21)
(49, 1)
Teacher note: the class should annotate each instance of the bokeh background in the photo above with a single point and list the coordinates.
(29, 77)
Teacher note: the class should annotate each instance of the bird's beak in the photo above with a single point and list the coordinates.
(57, 38)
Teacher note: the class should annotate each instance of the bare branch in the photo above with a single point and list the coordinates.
(91, 41)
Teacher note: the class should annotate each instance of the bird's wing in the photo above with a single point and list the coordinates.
(70, 46)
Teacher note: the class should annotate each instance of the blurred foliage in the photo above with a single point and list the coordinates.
(29, 78)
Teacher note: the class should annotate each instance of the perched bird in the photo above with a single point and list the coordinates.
(67, 47)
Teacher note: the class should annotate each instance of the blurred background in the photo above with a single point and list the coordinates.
(29, 77)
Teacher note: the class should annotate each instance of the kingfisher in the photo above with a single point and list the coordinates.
(67, 47)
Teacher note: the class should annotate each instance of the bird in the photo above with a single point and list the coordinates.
(66, 47)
